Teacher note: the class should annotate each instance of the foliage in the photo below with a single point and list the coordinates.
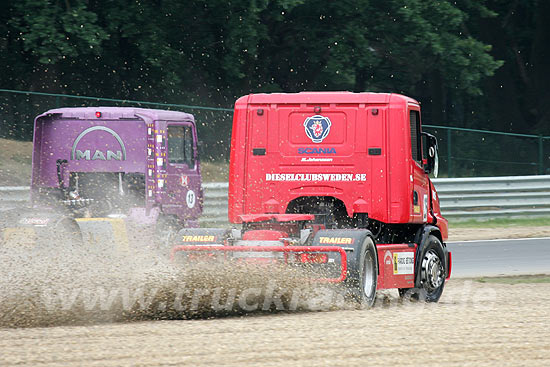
(464, 60)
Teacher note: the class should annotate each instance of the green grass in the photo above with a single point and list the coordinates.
(520, 279)
(215, 171)
(502, 222)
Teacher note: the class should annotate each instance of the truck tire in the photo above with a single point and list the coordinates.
(364, 278)
(431, 272)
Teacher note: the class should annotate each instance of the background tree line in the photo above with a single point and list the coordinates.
(472, 63)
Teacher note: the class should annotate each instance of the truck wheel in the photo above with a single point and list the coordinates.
(366, 276)
(432, 273)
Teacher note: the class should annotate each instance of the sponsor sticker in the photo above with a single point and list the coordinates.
(198, 238)
(309, 177)
(336, 240)
(403, 263)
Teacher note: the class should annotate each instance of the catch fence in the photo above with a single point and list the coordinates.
(463, 152)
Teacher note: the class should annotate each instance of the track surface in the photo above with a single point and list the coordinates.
(475, 324)
(500, 257)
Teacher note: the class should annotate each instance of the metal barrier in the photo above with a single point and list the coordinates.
(214, 211)
(10, 195)
(488, 197)
(461, 198)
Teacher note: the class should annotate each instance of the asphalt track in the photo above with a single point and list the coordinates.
(500, 257)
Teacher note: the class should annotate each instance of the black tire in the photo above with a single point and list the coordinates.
(431, 271)
(363, 280)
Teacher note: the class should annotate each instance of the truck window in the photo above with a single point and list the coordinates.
(180, 145)
(188, 147)
(176, 153)
(416, 143)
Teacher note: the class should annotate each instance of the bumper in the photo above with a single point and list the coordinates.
(274, 249)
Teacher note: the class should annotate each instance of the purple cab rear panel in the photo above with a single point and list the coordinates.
(118, 139)
(91, 146)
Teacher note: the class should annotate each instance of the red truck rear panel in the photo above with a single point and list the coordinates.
(354, 147)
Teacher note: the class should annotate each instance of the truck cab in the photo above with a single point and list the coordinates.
(120, 176)
(354, 159)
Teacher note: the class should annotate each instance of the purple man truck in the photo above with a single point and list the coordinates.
(113, 176)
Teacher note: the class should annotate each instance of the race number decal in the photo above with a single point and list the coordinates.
(190, 198)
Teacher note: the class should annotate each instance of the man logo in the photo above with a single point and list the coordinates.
(119, 155)
(317, 127)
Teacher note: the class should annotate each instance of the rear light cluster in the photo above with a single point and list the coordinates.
(311, 258)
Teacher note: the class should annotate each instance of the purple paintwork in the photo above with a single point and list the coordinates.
(118, 140)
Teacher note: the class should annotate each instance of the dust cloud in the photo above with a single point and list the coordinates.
(77, 285)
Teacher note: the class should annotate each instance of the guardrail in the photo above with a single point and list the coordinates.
(13, 194)
(461, 198)
(488, 197)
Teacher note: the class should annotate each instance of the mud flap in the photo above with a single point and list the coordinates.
(351, 240)
(104, 233)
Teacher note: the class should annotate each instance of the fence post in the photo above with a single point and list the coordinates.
(449, 163)
(541, 155)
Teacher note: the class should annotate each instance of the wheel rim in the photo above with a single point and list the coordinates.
(368, 280)
(432, 271)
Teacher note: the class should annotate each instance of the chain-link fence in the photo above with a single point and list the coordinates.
(477, 153)
(463, 152)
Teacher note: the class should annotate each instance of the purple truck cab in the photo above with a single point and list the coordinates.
(118, 162)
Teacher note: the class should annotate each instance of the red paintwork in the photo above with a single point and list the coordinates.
(285, 249)
(264, 235)
(386, 277)
(267, 183)
(250, 218)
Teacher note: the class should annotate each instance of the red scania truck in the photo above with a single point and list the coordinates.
(337, 181)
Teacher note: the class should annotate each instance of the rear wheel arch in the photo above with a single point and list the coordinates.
(333, 208)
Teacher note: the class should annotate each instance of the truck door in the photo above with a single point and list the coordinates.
(183, 182)
(420, 182)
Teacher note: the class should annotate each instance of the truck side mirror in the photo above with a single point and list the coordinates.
(432, 164)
